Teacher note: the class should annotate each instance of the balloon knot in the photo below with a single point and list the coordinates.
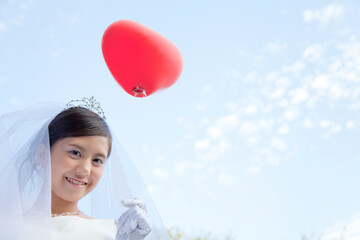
(139, 92)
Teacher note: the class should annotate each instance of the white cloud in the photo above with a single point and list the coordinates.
(24, 6)
(202, 145)
(272, 76)
(214, 131)
(291, 114)
(145, 148)
(248, 128)
(308, 123)
(296, 68)
(276, 87)
(235, 74)
(189, 135)
(336, 128)
(272, 159)
(320, 83)
(18, 19)
(335, 66)
(159, 159)
(273, 47)
(3, 27)
(350, 124)
(226, 178)
(216, 151)
(283, 103)
(231, 106)
(283, 82)
(266, 156)
(325, 123)
(349, 231)
(251, 77)
(312, 100)
(201, 107)
(199, 179)
(313, 52)
(284, 129)
(299, 94)
(56, 54)
(228, 122)
(266, 123)
(325, 15)
(278, 144)
(67, 19)
(333, 129)
(176, 193)
(204, 121)
(268, 108)
(206, 89)
(351, 55)
(197, 165)
(222, 125)
(161, 173)
(337, 92)
(330, 126)
(181, 120)
(275, 94)
(15, 16)
(258, 59)
(221, 147)
(252, 140)
(354, 106)
(181, 167)
(250, 109)
(253, 169)
(322, 80)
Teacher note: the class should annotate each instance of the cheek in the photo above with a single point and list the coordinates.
(56, 172)
(59, 165)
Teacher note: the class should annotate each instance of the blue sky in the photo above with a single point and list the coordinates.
(259, 136)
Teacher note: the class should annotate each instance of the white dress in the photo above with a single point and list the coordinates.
(74, 227)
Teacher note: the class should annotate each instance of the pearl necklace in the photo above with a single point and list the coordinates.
(66, 214)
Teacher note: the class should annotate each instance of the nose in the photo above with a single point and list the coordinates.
(83, 168)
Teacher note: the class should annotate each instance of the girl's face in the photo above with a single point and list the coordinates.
(77, 164)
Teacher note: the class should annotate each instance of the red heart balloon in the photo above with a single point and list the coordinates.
(141, 60)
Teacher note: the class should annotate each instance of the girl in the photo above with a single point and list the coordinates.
(57, 162)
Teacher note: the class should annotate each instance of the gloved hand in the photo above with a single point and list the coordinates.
(134, 224)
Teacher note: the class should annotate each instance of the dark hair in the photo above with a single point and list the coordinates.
(78, 122)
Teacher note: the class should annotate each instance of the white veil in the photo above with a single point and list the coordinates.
(25, 179)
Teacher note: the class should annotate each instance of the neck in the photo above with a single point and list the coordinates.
(59, 205)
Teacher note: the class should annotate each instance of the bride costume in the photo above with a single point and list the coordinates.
(25, 185)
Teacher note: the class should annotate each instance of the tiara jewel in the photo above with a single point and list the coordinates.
(89, 103)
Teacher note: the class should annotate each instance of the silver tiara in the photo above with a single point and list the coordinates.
(89, 103)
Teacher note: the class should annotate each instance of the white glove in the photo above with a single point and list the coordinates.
(134, 224)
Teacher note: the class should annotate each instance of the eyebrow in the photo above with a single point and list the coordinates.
(84, 150)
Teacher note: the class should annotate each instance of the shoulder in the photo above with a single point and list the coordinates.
(83, 215)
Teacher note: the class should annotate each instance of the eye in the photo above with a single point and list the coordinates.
(75, 153)
(98, 161)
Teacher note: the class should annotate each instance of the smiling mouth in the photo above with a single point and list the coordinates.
(76, 182)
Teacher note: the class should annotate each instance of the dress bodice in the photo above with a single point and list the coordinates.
(74, 227)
